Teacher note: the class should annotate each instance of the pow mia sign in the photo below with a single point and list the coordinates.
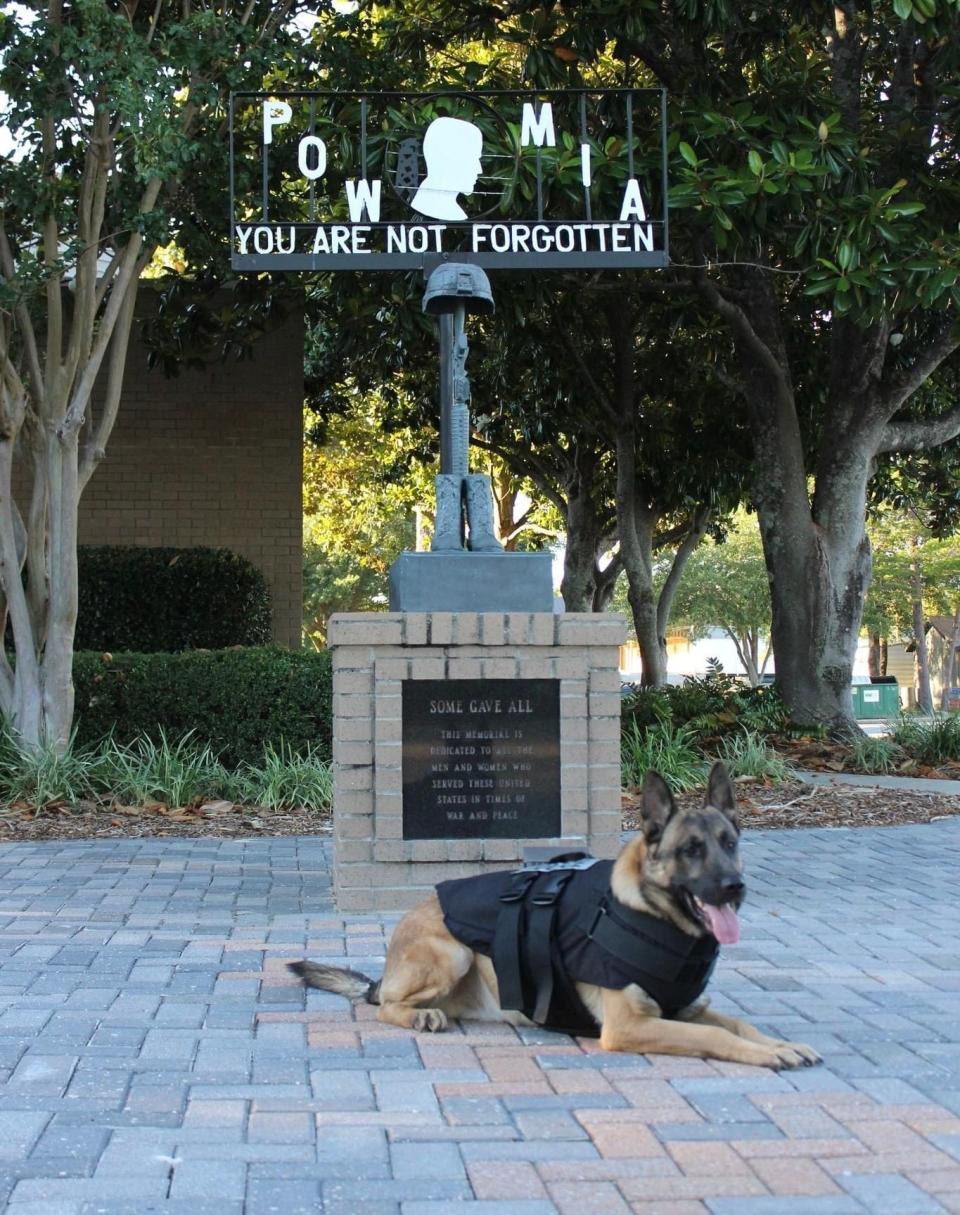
(388, 181)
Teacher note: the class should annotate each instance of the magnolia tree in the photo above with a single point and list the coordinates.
(116, 115)
(814, 191)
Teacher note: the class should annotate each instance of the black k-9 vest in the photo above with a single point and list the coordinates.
(548, 929)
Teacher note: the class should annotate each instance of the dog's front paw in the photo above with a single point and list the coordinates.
(792, 1054)
(429, 1020)
(808, 1055)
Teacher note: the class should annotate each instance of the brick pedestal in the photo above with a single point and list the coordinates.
(375, 868)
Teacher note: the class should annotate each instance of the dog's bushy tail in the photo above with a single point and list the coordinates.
(339, 980)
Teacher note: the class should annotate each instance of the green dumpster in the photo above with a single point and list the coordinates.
(875, 700)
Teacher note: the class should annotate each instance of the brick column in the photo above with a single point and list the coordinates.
(375, 868)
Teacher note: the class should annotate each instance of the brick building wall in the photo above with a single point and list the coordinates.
(212, 457)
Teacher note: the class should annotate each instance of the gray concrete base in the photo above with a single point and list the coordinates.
(472, 582)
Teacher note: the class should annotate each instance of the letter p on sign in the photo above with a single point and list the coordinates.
(275, 114)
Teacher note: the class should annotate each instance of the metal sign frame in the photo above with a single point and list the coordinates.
(262, 244)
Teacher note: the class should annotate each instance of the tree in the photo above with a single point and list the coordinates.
(815, 194)
(725, 585)
(117, 111)
(364, 476)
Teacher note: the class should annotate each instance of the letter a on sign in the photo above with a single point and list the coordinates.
(537, 129)
(632, 205)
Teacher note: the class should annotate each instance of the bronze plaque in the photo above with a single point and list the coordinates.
(481, 758)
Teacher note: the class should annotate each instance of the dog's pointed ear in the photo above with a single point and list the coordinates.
(656, 806)
(720, 793)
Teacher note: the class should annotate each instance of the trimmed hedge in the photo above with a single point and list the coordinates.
(150, 600)
(237, 700)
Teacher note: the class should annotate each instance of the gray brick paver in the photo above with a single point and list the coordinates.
(140, 1074)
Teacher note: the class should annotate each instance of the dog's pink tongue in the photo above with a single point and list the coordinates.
(723, 922)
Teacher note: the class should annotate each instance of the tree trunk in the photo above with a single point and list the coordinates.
(950, 667)
(653, 646)
(817, 553)
(921, 664)
(747, 653)
(873, 659)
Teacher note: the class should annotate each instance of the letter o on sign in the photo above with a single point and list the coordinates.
(307, 143)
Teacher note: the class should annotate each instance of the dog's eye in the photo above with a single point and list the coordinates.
(729, 843)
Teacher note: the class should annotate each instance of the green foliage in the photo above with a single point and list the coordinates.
(179, 772)
(929, 740)
(874, 755)
(175, 772)
(238, 701)
(747, 753)
(671, 750)
(285, 778)
(44, 775)
(716, 704)
(147, 600)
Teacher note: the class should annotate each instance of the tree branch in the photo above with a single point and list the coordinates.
(694, 535)
(904, 384)
(24, 323)
(742, 329)
(918, 436)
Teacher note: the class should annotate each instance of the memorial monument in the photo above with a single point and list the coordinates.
(471, 720)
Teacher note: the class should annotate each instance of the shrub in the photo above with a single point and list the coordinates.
(718, 704)
(746, 754)
(929, 740)
(44, 776)
(149, 600)
(874, 755)
(176, 773)
(236, 700)
(671, 751)
(181, 773)
(284, 779)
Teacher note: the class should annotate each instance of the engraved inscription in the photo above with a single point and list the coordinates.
(481, 758)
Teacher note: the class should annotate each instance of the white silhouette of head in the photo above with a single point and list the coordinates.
(451, 148)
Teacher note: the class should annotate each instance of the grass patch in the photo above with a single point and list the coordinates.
(45, 776)
(174, 772)
(929, 740)
(874, 755)
(671, 750)
(286, 779)
(748, 754)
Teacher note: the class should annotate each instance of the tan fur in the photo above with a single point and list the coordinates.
(430, 977)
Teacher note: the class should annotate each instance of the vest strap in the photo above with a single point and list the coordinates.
(506, 943)
(539, 940)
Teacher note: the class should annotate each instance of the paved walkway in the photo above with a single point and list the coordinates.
(156, 1058)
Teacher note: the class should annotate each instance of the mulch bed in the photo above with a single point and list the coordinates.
(218, 820)
(795, 804)
(764, 806)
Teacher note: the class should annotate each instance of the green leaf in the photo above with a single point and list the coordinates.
(903, 8)
(688, 154)
(755, 161)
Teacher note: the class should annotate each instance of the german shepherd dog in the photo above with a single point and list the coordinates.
(683, 867)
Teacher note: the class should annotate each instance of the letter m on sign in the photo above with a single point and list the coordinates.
(537, 128)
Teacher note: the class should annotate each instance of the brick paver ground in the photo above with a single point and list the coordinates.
(156, 1057)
